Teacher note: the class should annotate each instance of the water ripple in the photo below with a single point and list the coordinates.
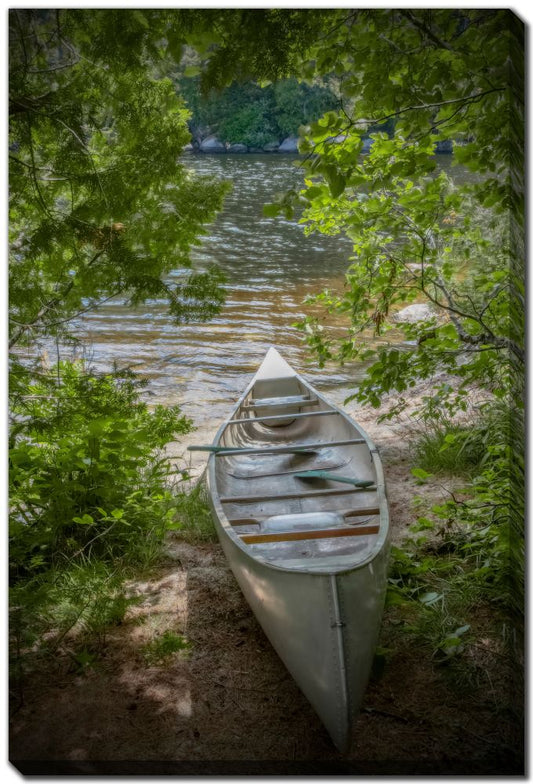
(271, 265)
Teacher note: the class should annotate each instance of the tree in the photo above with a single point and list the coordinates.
(448, 76)
(100, 203)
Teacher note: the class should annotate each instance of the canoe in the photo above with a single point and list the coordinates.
(298, 498)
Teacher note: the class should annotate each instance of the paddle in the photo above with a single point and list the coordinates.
(250, 450)
(334, 477)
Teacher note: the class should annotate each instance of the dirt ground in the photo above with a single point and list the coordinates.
(229, 707)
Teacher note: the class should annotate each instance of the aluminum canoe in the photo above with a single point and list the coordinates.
(298, 498)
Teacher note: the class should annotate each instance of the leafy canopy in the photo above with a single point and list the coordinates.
(453, 77)
(100, 203)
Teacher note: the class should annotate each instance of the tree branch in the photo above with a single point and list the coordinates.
(425, 106)
(427, 31)
(49, 306)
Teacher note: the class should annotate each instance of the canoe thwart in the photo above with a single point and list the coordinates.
(250, 499)
(263, 450)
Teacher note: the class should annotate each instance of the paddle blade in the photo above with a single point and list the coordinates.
(334, 478)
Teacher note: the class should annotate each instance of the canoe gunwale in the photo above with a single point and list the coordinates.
(225, 526)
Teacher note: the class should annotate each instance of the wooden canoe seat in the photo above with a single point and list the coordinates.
(323, 533)
(306, 525)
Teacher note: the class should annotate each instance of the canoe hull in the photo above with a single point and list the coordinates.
(324, 627)
(317, 589)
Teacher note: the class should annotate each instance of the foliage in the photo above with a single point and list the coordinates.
(87, 472)
(69, 608)
(451, 76)
(251, 125)
(254, 114)
(458, 555)
(194, 516)
(100, 203)
(240, 43)
(89, 502)
(459, 447)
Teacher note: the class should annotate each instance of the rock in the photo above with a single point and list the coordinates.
(188, 148)
(212, 144)
(271, 147)
(413, 313)
(290, 144)
(237, 148)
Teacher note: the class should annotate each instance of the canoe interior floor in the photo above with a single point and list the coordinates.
(255, 487)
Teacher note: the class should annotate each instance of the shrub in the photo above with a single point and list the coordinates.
(87, 470)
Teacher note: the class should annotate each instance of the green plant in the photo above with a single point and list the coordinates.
(161, 648)
(194, 516)
(68, 609)
(449, 448)
(250, 125)
(458, 556)
(87, 471)
(454, 434)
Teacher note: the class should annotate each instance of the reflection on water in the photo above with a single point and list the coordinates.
(271, 265)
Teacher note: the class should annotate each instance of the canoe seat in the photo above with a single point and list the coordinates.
(310, 533)
(303, 521)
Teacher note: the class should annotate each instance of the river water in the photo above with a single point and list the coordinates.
(271, 266)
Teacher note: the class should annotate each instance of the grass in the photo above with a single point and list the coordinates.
(194, 516)
(162, 648)
(446, 581)
(450, 448)
(447, 446)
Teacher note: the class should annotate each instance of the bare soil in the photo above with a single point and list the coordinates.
(229, 707)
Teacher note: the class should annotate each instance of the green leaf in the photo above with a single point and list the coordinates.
(394, 597)
(419, 473)
(272, 210)
(335, 179)
(85, 520)
(192, 70)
